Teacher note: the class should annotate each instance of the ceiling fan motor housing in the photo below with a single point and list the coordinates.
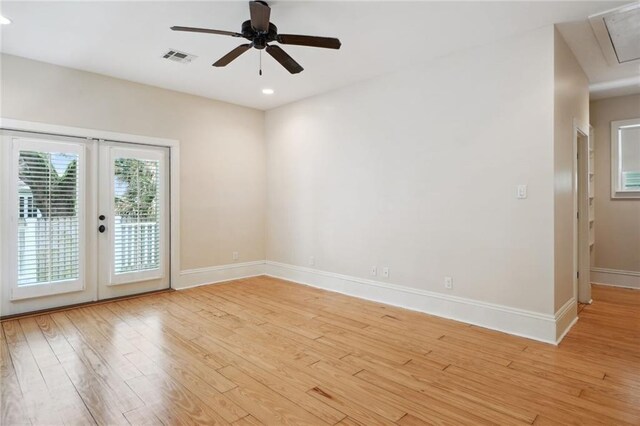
(259, 39)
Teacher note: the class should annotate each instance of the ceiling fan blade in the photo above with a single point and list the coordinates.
(226, 59)
(206, 30)
(285, 60)
(260, 13)
(304, 40)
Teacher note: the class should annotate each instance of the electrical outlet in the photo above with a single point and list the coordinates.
(374, 271)
(385, 272)
(448, 283)
(235, 255)
(521, 192)
(312, 260)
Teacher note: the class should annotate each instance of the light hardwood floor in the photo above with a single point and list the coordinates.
(265, 351)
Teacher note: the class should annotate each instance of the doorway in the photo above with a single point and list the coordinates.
(84, 219)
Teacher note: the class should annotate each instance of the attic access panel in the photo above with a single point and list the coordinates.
(618, 33)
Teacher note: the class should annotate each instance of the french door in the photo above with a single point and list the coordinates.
(83, 219)
(133, 223)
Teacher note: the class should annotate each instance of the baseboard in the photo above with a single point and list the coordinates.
(565, 318)
(615, 277)
(532, 325)
(215, 274)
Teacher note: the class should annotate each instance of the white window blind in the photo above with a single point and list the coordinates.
(137, 215)
(631, 181)
(48, 217)
(625, 158)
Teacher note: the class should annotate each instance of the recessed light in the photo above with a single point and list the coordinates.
(267, 91)
(4, 21)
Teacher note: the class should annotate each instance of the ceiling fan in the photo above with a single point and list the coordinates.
(260, 32)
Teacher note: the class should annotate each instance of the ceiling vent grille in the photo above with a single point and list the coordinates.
(177, 56)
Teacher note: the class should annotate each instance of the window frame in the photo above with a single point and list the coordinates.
(617, 192)
(116, 278)
(56, 287)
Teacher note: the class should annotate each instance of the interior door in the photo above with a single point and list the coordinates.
(133, 219)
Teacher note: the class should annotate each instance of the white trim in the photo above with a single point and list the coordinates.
(565, 318)
(566, 330)
(615, 277)
(576, 206)
(54, 129)
(174, 213)
(520, 322)
(616, 162)
(581, 249)
(215, 274)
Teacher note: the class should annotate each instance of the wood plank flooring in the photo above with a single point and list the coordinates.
(265, 351)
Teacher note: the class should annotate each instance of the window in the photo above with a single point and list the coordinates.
(47, 232)
(625, 159)
(136, 204)
(27, 207)
(137, 215)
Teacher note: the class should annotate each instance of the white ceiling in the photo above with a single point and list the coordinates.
(127, 40)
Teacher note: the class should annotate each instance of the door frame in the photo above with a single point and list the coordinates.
(78, 132)
(579, 265)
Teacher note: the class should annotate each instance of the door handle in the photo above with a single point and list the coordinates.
(101, 228)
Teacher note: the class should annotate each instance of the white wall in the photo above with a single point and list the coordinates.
(415, 171)
(222, 180)
(571, 107)
(418, 170)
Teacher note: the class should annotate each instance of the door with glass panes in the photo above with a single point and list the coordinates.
(85, 220)
(133, 219)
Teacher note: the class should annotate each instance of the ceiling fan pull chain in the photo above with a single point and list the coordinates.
(260, 73)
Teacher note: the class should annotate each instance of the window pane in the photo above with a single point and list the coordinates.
(137, 215)
(48, 224)
(630, 158)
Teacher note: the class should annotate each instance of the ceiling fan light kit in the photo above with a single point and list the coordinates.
(260, 32)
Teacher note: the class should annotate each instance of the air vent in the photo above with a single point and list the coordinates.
(177, 56)
(617, 33)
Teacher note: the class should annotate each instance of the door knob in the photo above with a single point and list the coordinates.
(101, 228)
